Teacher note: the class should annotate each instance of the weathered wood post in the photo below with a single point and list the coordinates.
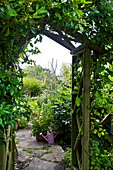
(74, 122)
(86, 110)
(2, 152)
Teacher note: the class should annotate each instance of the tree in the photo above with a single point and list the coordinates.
(36, 71)
(32, 86)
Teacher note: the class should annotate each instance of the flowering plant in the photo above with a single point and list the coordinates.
(41, 123)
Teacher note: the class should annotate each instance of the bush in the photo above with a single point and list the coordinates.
(32, 86)
(59, 105)
(23, 123)
(67, 157)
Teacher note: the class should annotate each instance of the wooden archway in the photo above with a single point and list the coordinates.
(77, 126)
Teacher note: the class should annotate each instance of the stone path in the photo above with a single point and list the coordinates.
(33, 155)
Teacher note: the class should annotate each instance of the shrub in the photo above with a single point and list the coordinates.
(59, 105)
(32, 86)
(67, 157)
(23, 123)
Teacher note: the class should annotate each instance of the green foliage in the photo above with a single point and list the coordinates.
(41, 123)
(59, 105)
(54, 113)
(91, 21)
(36, 71)
(62, 113)
(100, 160)
(23, 122)
(32, 86)
(102, 97)
(66, 71)
(44, 76)
(67, 158)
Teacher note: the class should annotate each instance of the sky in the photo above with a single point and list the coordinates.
(50, 49)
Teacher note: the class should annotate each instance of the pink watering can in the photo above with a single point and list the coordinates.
(49, 137)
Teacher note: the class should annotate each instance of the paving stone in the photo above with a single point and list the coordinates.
(38, 159)
(54, 157)
(38, 164)
(23, 155)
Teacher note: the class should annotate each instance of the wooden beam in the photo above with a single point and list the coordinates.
(86, 110)
(74, 130)
(78, 50)
(2, 153)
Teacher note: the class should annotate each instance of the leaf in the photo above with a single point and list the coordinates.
(11, 11)
(37, 6)
(78, 101)
(21, 2)
(0, 121)
(103, 133)
(33, 30)
(31, 44)
(99, 134)
(102, 110)
(95, 131)
(7, 32)
(81, 28)
(42, 10)
(58, 15)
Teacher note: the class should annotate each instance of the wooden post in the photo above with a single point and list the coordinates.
(86, 110)
(74, 131)
(2, 153)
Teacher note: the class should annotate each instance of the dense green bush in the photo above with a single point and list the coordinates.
(32, 86)
(59, 105)
(62, 113)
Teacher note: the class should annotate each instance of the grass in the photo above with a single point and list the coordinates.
(46, 147)
(17, 142)
(47, 152)
(27, 149)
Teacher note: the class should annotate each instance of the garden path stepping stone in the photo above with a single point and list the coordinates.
(37, 155)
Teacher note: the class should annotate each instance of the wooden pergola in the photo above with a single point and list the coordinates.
(80, 134)
(80, 120)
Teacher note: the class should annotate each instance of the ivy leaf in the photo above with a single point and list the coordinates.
(78, 101)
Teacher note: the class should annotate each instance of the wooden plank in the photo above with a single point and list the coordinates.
(9, 161)
(78, 138)
(78, 121)
(78, 159)
(2, 153)
(105, 119)
(110, 148)
(109, 138)
(86, 110)
(7, 143)
(74, 130)
(78, 50)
